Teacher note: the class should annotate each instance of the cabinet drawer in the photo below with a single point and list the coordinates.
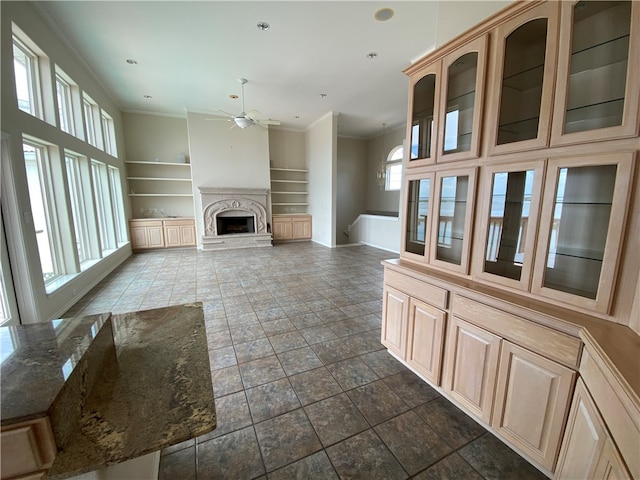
(426, 292)
(27, 447)
(550, 343)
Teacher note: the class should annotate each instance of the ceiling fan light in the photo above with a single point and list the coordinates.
(243, 122)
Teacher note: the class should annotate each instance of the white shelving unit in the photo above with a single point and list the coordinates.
(160, 189)
(289, 190)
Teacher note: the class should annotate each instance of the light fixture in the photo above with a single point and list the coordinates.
(381, 171)
(148, 96)
(383, 14)
(131, 62)
(372, 55)
(243, 122)
(263, 26)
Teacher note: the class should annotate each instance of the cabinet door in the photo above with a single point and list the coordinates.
(416, 230)
(453, 214)
(425, 339)
(172, 236)
(532, 399)
(282, 229)
(302, 228)
(587, 450)
(424, 100)
(598, 72)
(395, 313)
(156, 237)
(472, 364)
(462, 97)
(583, 216)
(505, 239)
(524, 68)
(187, 235)
(139, 238)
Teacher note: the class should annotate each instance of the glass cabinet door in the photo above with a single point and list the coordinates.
(598, 71)
(453, 213)
(423, 108)
(581, 227)
(461, 109)
(525, 63)
(417, 225)
(509, 224)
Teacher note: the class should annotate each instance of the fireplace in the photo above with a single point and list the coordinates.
(234, 218)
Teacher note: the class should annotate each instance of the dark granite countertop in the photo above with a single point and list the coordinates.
(145, 387)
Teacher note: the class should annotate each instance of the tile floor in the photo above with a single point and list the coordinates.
(304, 389)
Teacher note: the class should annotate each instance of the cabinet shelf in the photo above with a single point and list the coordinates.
(289, 181)
(602, 54)
(291, 204)
(160, 179)
(526, 79)
(289, 190)
(172, 164)
(289, 193)
(299, 170)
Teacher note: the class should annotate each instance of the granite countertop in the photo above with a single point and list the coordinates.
(144, 384)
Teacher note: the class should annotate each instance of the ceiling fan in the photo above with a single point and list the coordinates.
(244, 120)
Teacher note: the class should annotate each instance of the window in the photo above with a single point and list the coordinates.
(102, 200)
(394, 169)
(25, 66)
(90, 110)
(108, 134)
(65, 106)
(118, 210)
(79, 204)
(42, 210)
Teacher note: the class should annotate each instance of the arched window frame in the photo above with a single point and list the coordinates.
(393, 176)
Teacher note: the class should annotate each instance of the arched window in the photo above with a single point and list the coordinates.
(393, 177)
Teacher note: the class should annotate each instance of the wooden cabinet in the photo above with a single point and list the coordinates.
(532, 397)
(472, 363)
(425, 339)
(425, 101)
(291, 227)
(395, 307)
(587, 449)
(28, 449)
(158, 233)
(418, 191)
(598, 72)
(521, 88)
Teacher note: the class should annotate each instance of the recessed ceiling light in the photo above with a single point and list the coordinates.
(323, 95)
(372, 55)
(131, 61)
(263, 26)
(148, 96)
(297, 117)
(383, 14)
(233, 97)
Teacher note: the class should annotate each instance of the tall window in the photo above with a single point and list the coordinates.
(102, 200)
(65, 106)
(25, 66)
(79, 204)
(108, 133)
(42, 209)
(117, 201)
(90, 111)
(394, 169)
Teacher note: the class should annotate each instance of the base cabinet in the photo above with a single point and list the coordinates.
(291, 227)
(146, 234)
(395, 306)
(587, 449)
(425, 340)
(27, 450)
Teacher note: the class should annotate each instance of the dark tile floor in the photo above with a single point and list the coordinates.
(304, 389)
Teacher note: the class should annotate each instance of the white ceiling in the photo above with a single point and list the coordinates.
(190, 54)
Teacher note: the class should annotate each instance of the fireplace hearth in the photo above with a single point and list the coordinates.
(234, 218)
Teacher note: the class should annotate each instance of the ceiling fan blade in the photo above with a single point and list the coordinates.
(218, 119)
(226, 113)
(252, 114)
(268, 122)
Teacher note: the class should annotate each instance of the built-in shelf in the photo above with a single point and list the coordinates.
(173, 164)
(289, 190)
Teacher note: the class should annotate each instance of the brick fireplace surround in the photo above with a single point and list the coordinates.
(234, 202)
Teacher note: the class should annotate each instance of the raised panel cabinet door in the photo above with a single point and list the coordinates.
(472, 363)
(301, 228)
(425, 339)
(172, 236)
(532, 398)
(187, 235)
(610, 464)
(395, 313)
(283, 229)
(156, 236)
(139, 238)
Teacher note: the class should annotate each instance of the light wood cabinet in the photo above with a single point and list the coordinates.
(395, 306)
(291, 227)
(472, 364)
(532, 397)
(158, 233)
(418, 192)
(425, 339)
(424, 96)
(27, 449)
(587, 449)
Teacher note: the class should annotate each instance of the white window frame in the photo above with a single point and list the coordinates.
(117, 205)
(65, 105)
(90, 114)
(103, 208)
(393, 175)
(108, 133)
(79, 202)
(33, 87)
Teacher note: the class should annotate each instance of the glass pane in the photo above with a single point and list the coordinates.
(423, 101)
(508, 221)
(39, 211)
(453, 209)
(118, 210)
(523, 72)
(418, 209)
(579, 230)
(22, 67)
(461, 94)
(102, 200)
(598, 65)
(78, 211)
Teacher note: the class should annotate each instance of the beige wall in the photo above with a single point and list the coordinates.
(287, 149)
(379, 200)
(351, 186)
(151, 137)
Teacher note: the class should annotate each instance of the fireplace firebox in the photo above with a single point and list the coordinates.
(231, 225)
